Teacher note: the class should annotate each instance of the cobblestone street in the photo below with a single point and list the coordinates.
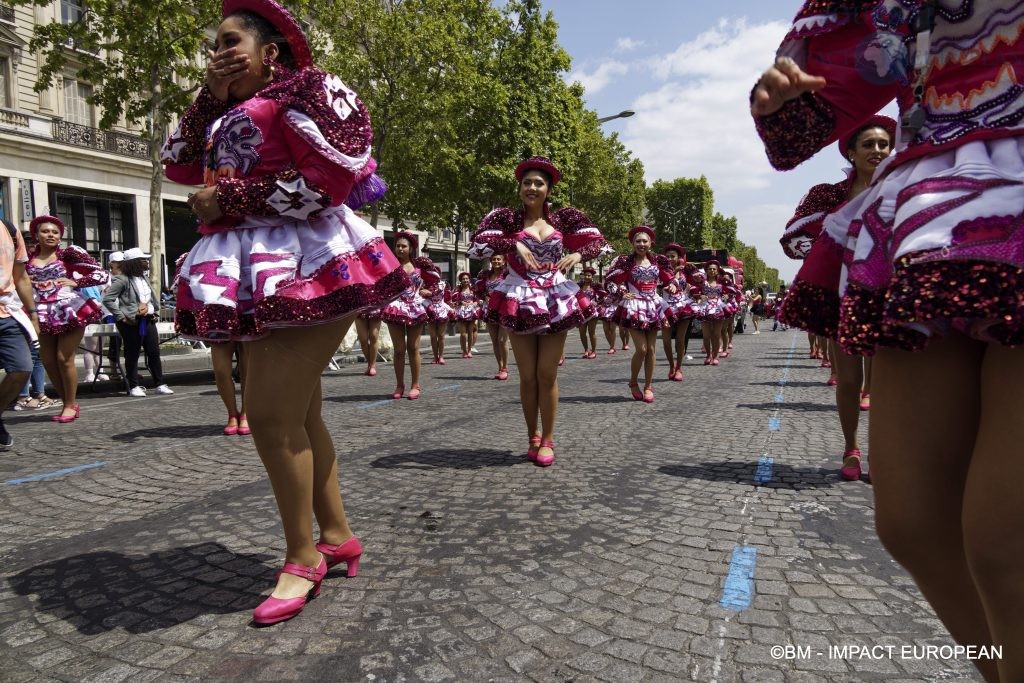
(137, 540)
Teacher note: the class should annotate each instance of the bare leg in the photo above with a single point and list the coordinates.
(549, 351)
(624, 337)
(66, 347)
(48, 355)
(848, 371)
(503, 336)
(327, 504)
(464, 337)
(525, 348)
(221, 355)
(432, 331)
(283, 376)
(993, 508)
(398, 338)
(592, 332)
(682, 339)
(362, 333)
(373, 341)
(584, 340)
(867, 375)
(643, 354)
(412, 345)
(923, 430)
(668, 345)
(639, 355)
(609, 332)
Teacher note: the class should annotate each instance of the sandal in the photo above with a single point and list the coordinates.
(634, 389)
(648, 395)
(865, 401)
(851, 465)
(531, 452)
(414, 393)
(399, 391)
(243, 426)
(231, 429)
(545, 460)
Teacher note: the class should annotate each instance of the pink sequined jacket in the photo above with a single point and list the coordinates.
(298, 148)
(75, 261)
(502, 228)
(974, 89)
(807, 222)
(641, 280)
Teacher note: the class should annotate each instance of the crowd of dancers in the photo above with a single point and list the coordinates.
(915, 258)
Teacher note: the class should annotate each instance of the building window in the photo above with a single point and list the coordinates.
(95, 221)
(76, 107)
(71, 11)
(7, 13)
(5, 80)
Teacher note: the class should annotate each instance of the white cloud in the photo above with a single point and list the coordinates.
(760, 225)
(628, 44)
(597, 79)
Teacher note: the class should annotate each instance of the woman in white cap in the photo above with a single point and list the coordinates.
(134, 307)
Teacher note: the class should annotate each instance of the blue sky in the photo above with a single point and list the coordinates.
(687, 68)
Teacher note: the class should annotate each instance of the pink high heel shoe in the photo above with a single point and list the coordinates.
(611, 351)
(714, 361)
(440, 360)
(371, 372)
(561, 361)
(851, 465)
(414, 393)
(65, 419)
(531, 452)
(648, 395)
(231, 429)
(545, 460)
(274, 610)
(865, 401)
(502, 375)
(348, 552)
(243, 426)
(832, 381)
(634, 390)
(399, 391)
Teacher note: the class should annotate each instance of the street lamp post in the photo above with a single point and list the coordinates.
(674, 215)
(625, 114)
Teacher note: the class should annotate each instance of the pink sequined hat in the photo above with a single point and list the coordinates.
(646, 229)
(414, 241)
(540, 164)
(283, 21)
(33, 227)
(676, 247)
(877, 121)
(589, 271)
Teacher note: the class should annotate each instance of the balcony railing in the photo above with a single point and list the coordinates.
(13, 118)
(6, 13)
(103, 140)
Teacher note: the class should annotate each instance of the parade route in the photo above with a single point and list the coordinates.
(706, 537)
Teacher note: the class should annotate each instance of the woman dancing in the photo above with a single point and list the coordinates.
(406, 315)
(283, 264)
(439, 312)
(486, 284)
(711, 311)
(467, 312)
(536, 302)
(57, 273)
(677, 312)
(932, 276)
(589, 293)
(639, 308)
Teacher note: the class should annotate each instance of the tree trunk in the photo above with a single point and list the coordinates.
(157, 135)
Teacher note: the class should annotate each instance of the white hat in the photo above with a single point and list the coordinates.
(134, 253)
(115, 257)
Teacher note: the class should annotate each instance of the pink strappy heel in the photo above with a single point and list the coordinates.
(274, 610)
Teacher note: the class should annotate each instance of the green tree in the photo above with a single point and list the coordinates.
(723, 232)
(143, 60)
(682, 211)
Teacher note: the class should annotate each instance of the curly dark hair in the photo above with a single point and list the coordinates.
(135, 268)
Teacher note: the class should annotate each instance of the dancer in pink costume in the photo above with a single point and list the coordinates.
(536, 302)
(640, 307)
(439, 313)
(406, 315)
(590, 293)
(487, 282)
(933, 270)
(677, 310)
(57, 273)
(283, 263)
(467, 312)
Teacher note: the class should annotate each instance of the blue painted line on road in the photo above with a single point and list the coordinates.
(739, 582)
(375, 404)
(449, 387)
(780, 397)
(58, 473)
(774, 424)
(763, 474)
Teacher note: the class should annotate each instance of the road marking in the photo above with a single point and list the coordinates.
(764, 469)
(739, 582)
(375, 404)
(58, 473)
(449, 387)
(774, 424)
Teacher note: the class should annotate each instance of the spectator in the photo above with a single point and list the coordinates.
(131, 300)
(19, 324)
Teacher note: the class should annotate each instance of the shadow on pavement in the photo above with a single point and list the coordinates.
(385, 392)
(171, 432)
(104, 591)
(781, 476)
(464, 459)
(595, 399)
(800, 407)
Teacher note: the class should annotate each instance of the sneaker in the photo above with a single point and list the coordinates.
(137, 391)
(473, 350)
(164, 389)
(103, 377)
(89, 378)
(6, 440)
